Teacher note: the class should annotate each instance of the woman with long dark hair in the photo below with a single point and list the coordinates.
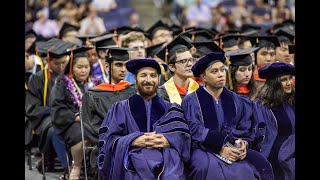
(66, 99)
(274, 118)
(241, 70)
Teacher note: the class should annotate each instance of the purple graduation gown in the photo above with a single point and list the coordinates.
(212, 124)
(275, 137)
(125, 121)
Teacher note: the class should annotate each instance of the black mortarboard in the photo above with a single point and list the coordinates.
(80, 51)
(241, 57)
(66, 27)
(176, 30)
(200, 66)
(133, 66)
(157, 26)
(250, 27)
(30, 34)
(86, 39)
(125, 30)
(229, 40)
(292, 48)
(252, 39)
(153, 50)
(289, 23)
(116, 54)
(103, 41)
(40, 40)
(286, 32)
(276, 69)
(198, 35)
(169, 50)
(206, 47)
(261, 41)
(56, 47)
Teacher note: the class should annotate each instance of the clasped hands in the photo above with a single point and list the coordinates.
(151, 140)
(233, 153)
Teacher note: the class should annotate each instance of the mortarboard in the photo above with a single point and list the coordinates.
(198, 35)
(105, 40)
(250, 27)
(285, 32)
(241, 57)
(40, 40)
(289, 23)
(86, 39)
(176, 30)
(153, 50)
(200, 66)
(228, 40)
(133, 66)
(116, 54)
(276, 69)
(206, 47)
(262, 41)
(170, 49)
(66, 27)
(157, 26)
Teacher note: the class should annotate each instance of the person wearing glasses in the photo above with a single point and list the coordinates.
(179, 60)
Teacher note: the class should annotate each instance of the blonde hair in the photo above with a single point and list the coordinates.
(130, 37)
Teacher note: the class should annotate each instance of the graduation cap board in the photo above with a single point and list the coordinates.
(206, 47)
(103, 41)
(265, 41)
(198, 35)
(285, 32)
(241, 57)
(55, 48)
(66, 27)
(86, 39)
(153, 50)
(276, 69)
(157, 26)
(228, 40)
(170, 49)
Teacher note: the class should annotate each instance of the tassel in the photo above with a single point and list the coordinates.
(116, 37)
(48, 60)
(70, 68)
(166, 56)
(37, 55)
(220, 42)
(193, 36)
(110, 66)
(229, 73)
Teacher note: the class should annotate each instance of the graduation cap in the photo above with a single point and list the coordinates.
(200, 66)
(85, 39)
(170, 49)
(198, 35)
(115, 54)
(176, 30)
(285, 32)
(241, 57)
(54, 48)
(30, 34)
(76, 53)
(37, 43)
(103, 41)
(267, 40)
(206, 47)
(66, 27)
(249, 27)
(289, 23)
(134, 66)
(228, 40)
(153, 50)
(157, 26)
(276, 69)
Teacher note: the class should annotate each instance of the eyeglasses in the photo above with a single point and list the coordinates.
(185, 61)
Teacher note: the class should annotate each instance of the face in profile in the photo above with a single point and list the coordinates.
(147, 81)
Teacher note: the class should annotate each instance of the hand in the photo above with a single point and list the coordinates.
(243, 149)
(77, 119)
(154, 140)
(230, 153)
(139, 142)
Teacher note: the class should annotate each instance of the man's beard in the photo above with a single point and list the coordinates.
(144, 92)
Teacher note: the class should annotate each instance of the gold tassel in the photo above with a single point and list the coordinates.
(70, 68)
(220, 42)
(229, 72)
(166, 56)
(192, 37)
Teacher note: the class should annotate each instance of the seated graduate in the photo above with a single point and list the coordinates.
(274, 116)
(144, 137)
(97, 101)
(220, 125)
(65, 100)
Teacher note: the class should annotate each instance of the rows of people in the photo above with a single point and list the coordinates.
(166, 102)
